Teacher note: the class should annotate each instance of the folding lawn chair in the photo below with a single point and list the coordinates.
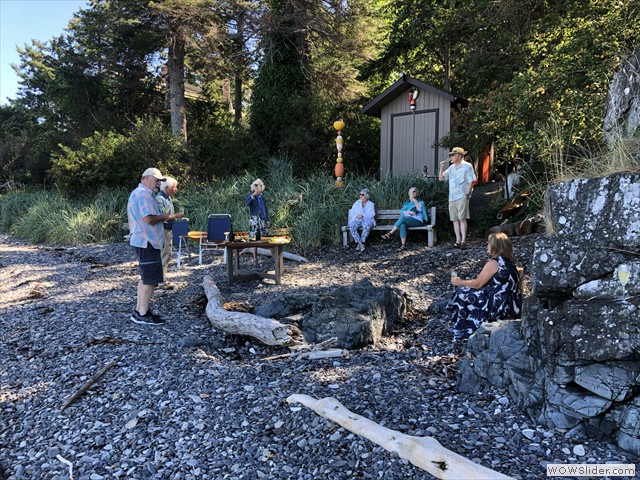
(217, 225)
(180, 232)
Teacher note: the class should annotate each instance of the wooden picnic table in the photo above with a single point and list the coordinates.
(237, 274)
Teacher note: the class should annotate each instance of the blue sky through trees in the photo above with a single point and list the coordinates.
(24, 20)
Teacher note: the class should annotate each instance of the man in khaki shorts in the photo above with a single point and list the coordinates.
(461, 176)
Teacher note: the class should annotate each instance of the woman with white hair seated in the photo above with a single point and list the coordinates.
(362, 216)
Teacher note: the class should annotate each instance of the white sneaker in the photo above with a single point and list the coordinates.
(362, 247)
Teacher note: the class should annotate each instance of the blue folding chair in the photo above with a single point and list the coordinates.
(217, 225)
(180, 232)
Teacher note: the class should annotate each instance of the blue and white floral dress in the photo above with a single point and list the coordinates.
(500, 298)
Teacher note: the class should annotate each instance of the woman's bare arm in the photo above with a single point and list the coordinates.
(488, 271)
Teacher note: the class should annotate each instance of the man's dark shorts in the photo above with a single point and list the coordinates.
(150, 265)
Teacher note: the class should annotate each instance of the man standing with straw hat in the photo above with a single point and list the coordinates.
(461, 176)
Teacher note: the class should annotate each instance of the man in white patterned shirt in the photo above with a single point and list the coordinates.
(461, 176)
(147, 239)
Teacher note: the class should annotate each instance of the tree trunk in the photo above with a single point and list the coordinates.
(237, 98)
(447, 67)
(424, 452)
(266, 330)
(237, 84)
(176, 84)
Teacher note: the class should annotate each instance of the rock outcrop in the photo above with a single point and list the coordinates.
(622, 106)
(357, 315)
(574, 358)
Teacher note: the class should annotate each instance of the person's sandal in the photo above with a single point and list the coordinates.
(387, 236)
(463, 246)
(403, 247)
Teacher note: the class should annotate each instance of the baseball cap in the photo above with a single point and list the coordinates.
(153, 172)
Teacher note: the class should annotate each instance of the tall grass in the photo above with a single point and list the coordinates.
(313, 208)
(561, 162)
(49, 216)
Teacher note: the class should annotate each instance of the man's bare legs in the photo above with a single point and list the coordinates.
(460, 227)
(456, 228)
(463, 231)
(144, 297)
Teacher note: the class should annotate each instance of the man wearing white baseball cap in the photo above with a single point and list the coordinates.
(147, 239)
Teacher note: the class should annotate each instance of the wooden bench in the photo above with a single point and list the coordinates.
(386, 218)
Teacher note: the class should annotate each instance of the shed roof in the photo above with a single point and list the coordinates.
(375, 106)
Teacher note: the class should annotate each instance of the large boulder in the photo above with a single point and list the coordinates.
(622, 105)
(597, 212)
(357, 315)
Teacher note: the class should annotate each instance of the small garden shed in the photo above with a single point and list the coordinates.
(414, 117)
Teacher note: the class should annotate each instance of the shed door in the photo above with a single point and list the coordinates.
(412, 138)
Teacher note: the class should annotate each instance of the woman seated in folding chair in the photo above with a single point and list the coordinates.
(258, 214)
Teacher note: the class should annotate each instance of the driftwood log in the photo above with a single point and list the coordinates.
(266, 251)
(267, 330)
(424, 452)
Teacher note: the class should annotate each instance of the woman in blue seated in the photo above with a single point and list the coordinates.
(412, 214)
(493, 295)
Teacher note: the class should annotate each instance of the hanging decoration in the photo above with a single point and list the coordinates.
(411, 96)
(339, 168)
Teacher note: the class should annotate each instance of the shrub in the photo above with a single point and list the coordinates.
(117, 159)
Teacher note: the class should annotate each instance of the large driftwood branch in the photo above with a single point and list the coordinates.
(267, 330)
(266, 251)
(424, 452)
(87, 385)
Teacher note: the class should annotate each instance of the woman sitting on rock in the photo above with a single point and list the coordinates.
(412, 214)
(493, 295)
(362, 215)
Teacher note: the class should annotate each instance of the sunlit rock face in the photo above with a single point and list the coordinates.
(574, 358)
(622, 106)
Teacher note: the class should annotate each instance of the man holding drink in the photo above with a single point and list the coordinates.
(461, 176)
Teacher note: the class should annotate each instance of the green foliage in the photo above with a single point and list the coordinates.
(524, 65)
(313, 208)
(45, 216)
(118, 159)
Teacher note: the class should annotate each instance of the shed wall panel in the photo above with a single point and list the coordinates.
(399, 131)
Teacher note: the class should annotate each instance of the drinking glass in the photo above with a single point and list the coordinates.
(623, 276)
(454, 274)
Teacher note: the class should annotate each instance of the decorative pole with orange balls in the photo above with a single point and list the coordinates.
(339, 169)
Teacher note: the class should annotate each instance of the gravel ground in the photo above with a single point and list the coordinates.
(185, 401)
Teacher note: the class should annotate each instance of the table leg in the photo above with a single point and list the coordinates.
(279, 259)
(230, 252)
